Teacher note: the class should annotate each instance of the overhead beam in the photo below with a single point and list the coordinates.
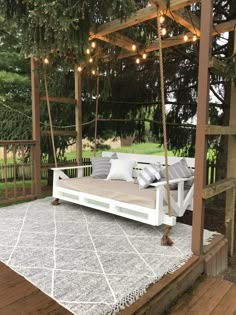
(120, 40)
(188, 20)
(142, 15)
(178, 40)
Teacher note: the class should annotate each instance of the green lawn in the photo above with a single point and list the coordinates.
(140, 148)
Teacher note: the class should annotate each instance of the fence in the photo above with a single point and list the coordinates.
(18, 171)
(11, 189)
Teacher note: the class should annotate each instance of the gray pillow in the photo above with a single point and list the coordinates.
(101, 166)
(178, 170)
(148, 175)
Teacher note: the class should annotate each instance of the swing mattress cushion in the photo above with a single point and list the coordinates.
(118, 190)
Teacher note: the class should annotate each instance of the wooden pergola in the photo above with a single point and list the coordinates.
(204, 30)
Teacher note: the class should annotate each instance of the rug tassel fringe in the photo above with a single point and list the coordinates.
(165, 240)
(55, 202)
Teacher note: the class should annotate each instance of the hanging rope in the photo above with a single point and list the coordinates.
(96, 114)
(165, 241)
(56, 201)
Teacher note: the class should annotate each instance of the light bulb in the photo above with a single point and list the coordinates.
(93, 44)
(137, 60)
(93, 72)
(87, 51)
(91, 60)
(162, 19)
(46, 60)
(194, 38)
(163, 31)
(144, 56)
(134, 47)
(185, 38)
(79, 68)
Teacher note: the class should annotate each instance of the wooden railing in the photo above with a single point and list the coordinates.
(15, 182)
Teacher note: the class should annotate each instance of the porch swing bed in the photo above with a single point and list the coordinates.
(124, 198)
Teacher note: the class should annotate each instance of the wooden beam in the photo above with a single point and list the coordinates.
(218, 187)
(202, 118)
(142, 15)
(63, 100)
(220, 130)
(36, 127)
(223, 27)
(70, 133)
(217, 66)
(178, 40)
(120, 40)
(139, 16)
(231, 171)
(174, 4)
(190, 21)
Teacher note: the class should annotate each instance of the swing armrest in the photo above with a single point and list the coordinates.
(171, 181)
(70, 167)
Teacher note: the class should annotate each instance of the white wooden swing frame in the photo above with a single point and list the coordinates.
(156, 216)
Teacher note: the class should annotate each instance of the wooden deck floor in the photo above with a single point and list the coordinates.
(20, 297)
(211, 296)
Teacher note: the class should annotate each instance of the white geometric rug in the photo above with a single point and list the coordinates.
(90, 262)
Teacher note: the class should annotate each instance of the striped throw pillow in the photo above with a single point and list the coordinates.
(178, 170)
(101, 166)
(148, 175)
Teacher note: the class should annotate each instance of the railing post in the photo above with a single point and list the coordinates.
(36, 127)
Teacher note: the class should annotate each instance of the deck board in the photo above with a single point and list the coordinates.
(212, 296)
(19, 297)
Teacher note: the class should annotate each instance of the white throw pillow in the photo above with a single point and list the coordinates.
(122, 170)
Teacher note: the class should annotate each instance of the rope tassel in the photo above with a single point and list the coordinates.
(165, 240)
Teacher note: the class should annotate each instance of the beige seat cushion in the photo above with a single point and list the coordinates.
(113, 189)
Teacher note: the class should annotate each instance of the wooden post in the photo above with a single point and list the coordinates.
(36, 126)
(231, 170)
(78, 116)
(202, 117)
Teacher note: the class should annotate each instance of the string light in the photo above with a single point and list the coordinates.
(162, 19)
(93, 44)
(137, 60)
(46, 60)
(144, 56)
(79, 68)
(87, 51)
(163, 31)
(194, 38)
(185, 38)
(93, 72)
(134, 47)
(91, 60)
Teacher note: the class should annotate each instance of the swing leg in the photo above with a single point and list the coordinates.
(55, 202)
